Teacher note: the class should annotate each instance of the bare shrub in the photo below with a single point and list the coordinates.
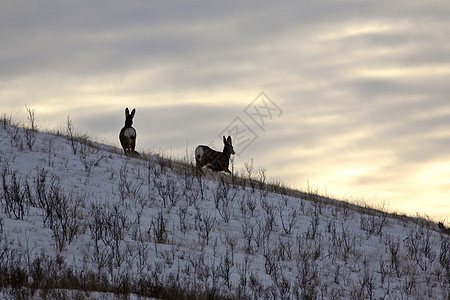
(30, 132)
(89, 156)
(31, 118)
(168, 190)
(68, 224)
(225, 268)
(231, 241)
(50, 152)
(345, 243)
(128, 187)
(393, 247)
(383, 270)
(108, 226)
(49, 195)
(172, 192)
(71, 135)
(142, 250)
(224, 211)
(42, 270)
(181, 212)
(62, 212)
(271, 263)
(373, 224)
(194, 194)
(223, 198)
(444, 258)
(366, 284)
(247, 204)
(247, 231)
(16, 138)
(313, 227)
(269, 216)
(283, 286)
(30, 138)
(97, 223)
(262, 176)
(200, 270)
(250, 202)
(222, 193)
(285, 248)
(116, 227)
(249, 168)
(159, 229)
(409, 281)
(40, 187)
(419, 247)
(188, 175)
(261, 233)
(205, 224)
(256, 287)
(307, 275)
(243, 271)
(6, 120)
(16, 193)
(311, 248)
(288, 217)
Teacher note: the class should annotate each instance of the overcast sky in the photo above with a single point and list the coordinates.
(352, 96)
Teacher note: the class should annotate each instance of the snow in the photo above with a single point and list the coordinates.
(208, 234)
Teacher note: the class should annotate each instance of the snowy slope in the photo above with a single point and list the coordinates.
(150, 227)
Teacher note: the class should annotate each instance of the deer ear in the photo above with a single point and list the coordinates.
(224, 140)
(229, 140)
(133, 112)
(127, 112)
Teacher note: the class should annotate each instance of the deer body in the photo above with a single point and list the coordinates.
(212, 159)
(127, 135)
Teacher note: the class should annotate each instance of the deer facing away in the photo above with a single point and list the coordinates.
(214, 160)
(127, 135)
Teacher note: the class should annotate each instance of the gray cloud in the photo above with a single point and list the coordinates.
(363, 85)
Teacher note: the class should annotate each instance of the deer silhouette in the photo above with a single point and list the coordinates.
(212, 159)
(443, 229)
(127, 135)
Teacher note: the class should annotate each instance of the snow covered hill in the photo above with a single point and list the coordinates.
(80, 219)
